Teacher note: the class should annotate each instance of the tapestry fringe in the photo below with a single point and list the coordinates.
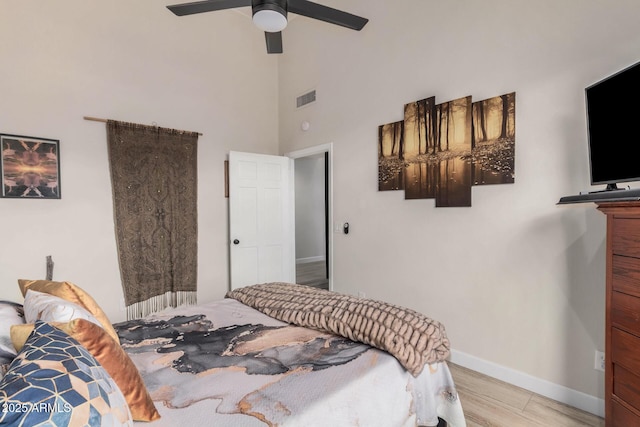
(160, 302)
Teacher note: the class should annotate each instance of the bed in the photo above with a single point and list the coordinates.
(259, 357)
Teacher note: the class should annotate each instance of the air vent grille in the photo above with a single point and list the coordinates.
(306, 99)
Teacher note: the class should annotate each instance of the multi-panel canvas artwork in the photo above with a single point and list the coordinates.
(439, 151)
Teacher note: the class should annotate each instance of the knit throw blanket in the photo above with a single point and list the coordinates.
(412, 338)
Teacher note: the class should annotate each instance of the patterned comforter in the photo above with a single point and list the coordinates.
(226, 364)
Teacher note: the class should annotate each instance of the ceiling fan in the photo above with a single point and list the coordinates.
(271, 15)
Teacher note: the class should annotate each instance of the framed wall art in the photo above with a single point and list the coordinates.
(29, 167)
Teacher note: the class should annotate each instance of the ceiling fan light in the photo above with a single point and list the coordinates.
(270, 21)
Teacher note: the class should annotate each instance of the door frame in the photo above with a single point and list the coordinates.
(319, 149)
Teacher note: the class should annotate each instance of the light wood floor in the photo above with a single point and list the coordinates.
(490, 402)
(312, 274)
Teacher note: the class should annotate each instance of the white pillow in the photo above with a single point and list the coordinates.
(10, 314)
(50, 308)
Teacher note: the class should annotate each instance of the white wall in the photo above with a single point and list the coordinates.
(136, 62)
(517, 280)
(310, 208)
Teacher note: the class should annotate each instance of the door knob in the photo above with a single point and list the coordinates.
(236, 241)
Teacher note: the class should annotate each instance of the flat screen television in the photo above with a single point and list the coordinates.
(613, 128)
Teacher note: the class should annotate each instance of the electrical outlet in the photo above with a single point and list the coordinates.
(599, 361)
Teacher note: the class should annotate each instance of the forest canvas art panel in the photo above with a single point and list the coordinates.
(391, 156)
(438, 167)
(29, 167)
(494, 140)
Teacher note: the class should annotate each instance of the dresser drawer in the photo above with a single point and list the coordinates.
(626, 237)
(626, 275)
(626, 386)
(625, 312)
(625, 350)
(622, 417)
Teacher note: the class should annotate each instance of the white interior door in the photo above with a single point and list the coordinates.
(261, 219)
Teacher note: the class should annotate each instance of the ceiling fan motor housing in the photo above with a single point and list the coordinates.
(279, 6)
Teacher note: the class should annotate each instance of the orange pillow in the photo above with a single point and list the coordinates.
(112, 358)
(72, 293)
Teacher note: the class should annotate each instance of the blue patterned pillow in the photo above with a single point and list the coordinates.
(56, 382)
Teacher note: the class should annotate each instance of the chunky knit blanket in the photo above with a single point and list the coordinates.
(412, 338)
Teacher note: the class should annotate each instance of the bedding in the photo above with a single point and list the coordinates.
(225, 363)
(49, 308)
(409, 336)
(11, 313)
(73, 311)
(268, 355)
(72, 293)
(110, 356)
(56, 382)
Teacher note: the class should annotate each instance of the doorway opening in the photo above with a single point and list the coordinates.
(313, 216)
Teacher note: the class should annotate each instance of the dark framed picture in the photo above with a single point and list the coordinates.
(29, 167)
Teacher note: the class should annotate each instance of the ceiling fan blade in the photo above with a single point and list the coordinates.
(206, 6)
(274, 42)
(326, 14)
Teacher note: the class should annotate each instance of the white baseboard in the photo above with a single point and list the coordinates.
(309, 259)
(577, 399)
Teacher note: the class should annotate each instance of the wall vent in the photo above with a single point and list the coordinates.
(306, 99)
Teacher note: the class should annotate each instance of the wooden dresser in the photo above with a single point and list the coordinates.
(622, 347)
